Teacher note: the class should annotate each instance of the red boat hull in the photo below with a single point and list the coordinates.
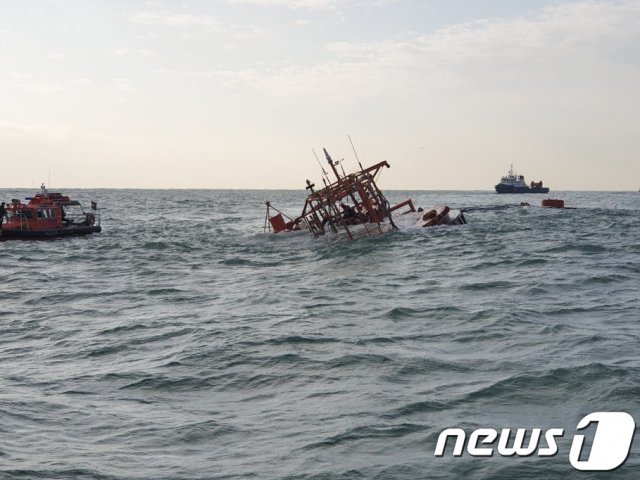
(48, 234)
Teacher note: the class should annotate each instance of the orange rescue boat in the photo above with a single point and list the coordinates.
(47, 215)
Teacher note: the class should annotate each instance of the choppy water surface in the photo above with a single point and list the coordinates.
(183, 343)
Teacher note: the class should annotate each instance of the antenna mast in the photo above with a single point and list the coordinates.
(324, 172)
(342, 168)
(354, 151)
(331, 163)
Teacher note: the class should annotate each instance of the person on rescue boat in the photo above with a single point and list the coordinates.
(65, 220)
(3, 213)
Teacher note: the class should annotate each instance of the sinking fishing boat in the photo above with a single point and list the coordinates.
(47, 215)
(354, 205)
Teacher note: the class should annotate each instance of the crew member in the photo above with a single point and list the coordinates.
(65, 220)
(3, 213)
(348, 212)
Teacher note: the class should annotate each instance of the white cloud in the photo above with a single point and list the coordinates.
(27, 81)
(120, 52)
(122, 85)
(206, 23)
(179, 20)
(568, 29)
(57, 56)
(80, 81)
(557, 88)
(23, 132)
(559, 41)
(312, 4)
(19, 75)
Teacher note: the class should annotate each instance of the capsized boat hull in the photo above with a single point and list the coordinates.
(49, 234)
(440, 215)
(370, 229)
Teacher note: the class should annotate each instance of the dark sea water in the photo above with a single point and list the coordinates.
(184, 343)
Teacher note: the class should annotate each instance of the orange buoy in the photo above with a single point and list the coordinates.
(553, 203)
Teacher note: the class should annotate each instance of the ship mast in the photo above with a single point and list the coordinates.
(331, 162)
(325, 176)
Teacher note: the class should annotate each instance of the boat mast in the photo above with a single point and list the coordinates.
(356, 153)
(325, 175)
(333, 166)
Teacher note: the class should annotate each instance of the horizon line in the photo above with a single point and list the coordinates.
(301, 190)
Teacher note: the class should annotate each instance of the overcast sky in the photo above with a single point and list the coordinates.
(237, 93)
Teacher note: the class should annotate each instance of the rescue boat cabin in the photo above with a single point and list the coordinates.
(352, 204)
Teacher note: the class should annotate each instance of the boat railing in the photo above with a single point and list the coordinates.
(86, 219)
(408, 203)
(21, 216)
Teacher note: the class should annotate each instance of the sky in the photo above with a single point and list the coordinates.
(238, 93)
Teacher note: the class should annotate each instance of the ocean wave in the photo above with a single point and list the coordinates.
(214, 350)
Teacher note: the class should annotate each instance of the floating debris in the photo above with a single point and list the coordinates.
(553, 203)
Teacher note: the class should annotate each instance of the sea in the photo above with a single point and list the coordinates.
(183, 342)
